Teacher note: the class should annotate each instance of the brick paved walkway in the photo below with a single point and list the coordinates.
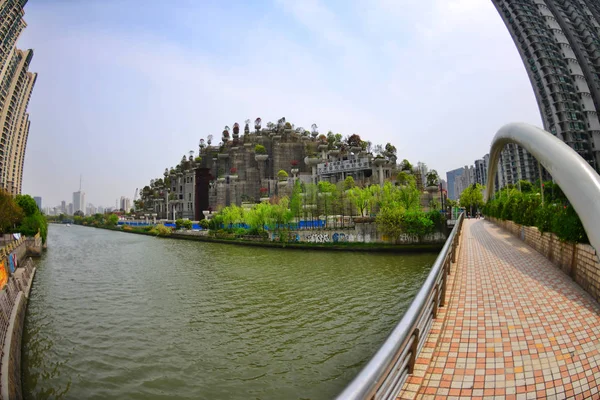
(515, 327)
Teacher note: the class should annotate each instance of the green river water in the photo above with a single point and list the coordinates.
(121, 316)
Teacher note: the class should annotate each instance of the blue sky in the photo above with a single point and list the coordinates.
(125, 88)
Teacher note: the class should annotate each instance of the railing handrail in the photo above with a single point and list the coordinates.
(374, 374)
(576, 178)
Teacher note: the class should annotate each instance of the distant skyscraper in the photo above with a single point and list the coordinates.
(451, 178)
(125, 203)
(79, 201)
(464, 180)
(70, 210)
(16, 84)
(559, 43)
(38, 201)
(63, 207)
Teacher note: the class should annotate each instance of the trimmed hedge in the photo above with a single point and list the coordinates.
(556, 215)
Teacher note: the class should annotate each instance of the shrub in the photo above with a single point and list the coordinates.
(260, 149)
(556, 215)
(282, 175)
(417, 223)
(241, 231)
(204, 224)
(162, 230)
(178, 224)
(187, 224)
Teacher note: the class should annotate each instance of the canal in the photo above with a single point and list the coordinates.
(117, 315)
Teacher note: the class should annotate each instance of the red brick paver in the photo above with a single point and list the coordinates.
(515, 327)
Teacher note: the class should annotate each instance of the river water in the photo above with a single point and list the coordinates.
(117, 315)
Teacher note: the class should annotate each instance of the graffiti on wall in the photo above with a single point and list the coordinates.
(3, 274)
(339, 237)
(318, 238)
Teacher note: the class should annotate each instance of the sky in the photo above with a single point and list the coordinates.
(125, 88)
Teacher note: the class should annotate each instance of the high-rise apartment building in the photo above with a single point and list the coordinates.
(16, 85)
(559, 43)
(125, 204)
(451, 177)
(38, 201)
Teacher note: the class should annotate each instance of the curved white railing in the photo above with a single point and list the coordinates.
(386, 372)
(576, 178)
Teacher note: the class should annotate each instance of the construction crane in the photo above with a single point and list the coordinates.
(135, 198)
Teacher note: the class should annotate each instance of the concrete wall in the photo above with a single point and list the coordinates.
(11, 358)
(579, 261)
(361, 233)
(13, 297)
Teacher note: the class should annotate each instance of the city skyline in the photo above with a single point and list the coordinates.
(353, 72)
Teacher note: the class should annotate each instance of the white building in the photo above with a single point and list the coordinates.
(79, 201)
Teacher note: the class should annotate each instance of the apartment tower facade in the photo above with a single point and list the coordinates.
(559, 43)
(16, 85)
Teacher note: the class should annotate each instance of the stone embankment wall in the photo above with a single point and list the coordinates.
(361, 233)
(13, 305)
(579, 261)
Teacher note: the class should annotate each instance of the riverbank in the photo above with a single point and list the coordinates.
(16, 267)
(343, 246)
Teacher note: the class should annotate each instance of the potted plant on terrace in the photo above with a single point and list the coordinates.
(233, 173)
(257, 125)
(354, 142)
(225, 134)
(236, 130)
(294, 170)
(264, 194)
(315, 131)
(260, 153)
(221, 177)
(288, 128)
(247, 127)
(282, 176)
(433, 180)
(323, 143)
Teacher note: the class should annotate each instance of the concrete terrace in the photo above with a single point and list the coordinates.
(515, 326)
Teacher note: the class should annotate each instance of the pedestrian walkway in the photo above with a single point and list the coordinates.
(515, 326)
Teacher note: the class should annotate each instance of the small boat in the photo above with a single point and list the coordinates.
(68, 225)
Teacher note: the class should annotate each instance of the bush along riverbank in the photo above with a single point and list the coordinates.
(262, 241)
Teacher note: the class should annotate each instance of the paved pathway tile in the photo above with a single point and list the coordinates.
(516, 326)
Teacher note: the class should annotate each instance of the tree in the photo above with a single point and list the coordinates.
(10, 213)
(405, 165)
(354, 140)
(296, 199)
(349, 183)
(472, 198)
(112, 220)
(389, 222)
(27, 204)
(34, 221)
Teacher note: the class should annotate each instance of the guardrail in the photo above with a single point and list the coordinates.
(387, 371)
(576, 178)
(9, 246)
